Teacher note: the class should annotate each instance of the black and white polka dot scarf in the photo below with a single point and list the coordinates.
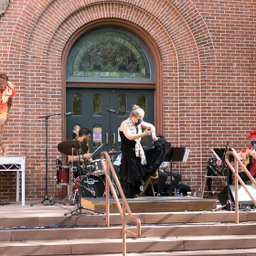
(139, 151)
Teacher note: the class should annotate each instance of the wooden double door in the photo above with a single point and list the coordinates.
(92, 108)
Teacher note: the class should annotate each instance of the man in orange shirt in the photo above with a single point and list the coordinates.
(7, 92)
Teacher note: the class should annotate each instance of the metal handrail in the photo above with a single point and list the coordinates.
(122, 209)
(238, 178)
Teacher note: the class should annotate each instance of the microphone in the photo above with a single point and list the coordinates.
(112, 110)
(68, 113)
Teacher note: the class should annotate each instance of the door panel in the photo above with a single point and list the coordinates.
(104, 126)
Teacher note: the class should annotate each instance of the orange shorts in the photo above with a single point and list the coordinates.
(3, 115)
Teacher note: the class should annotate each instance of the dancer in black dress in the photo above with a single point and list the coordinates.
(133, 169)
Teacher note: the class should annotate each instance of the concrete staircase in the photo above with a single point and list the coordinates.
(191, 233)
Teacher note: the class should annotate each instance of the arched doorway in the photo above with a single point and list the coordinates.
(108, 67)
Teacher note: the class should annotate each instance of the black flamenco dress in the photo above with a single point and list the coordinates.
(132, 172)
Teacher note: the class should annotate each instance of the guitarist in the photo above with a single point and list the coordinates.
(249, 157)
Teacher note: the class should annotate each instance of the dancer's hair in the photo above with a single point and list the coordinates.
(137, 111)
(3, 76)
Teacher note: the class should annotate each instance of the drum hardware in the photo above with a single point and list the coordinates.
(84, 184)
(58, 161)
(79, 149)
(89, 168)
(66, 175)
(72, 196)
(46, 197)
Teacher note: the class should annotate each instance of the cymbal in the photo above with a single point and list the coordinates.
(65, 147)
(113, 152)
(95, 160)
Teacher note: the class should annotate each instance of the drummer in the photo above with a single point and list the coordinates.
(83, 135)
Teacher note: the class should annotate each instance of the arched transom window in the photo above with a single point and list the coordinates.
(111, 54)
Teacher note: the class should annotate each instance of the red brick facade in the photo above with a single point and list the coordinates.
(206, 73)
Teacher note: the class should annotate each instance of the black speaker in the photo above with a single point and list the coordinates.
(223, 196)
(243, 197)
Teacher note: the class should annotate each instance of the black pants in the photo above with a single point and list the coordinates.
(162, 177)
(244, 176)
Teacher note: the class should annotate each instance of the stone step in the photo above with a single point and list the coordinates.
(105, 246)
(12, 219)
(154, 204)
(231, 252)
(162, 231)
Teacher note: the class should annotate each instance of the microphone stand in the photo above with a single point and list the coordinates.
(46, 197)
(229, 204)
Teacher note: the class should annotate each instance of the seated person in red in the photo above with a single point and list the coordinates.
(249, 157)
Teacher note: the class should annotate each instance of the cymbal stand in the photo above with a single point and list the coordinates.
(79, 208)
(71, 195)
(46, 197)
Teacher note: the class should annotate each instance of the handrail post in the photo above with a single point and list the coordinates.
(124, 229)
(107, 197)
(107, 167)
(236, 193)
(237, 163)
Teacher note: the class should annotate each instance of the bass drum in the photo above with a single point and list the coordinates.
(91, 182)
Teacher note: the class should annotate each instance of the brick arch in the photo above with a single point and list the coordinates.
(34, 10)
(181, 59)
(185, 9)
(47, 39)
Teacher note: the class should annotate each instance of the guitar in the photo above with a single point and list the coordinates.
(247, 158)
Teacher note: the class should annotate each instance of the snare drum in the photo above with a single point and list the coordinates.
(90, 167)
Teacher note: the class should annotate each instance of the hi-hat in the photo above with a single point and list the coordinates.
(70, 147)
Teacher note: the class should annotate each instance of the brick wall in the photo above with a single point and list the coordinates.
(207, 50)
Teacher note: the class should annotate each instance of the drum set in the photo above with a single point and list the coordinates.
(83, 178)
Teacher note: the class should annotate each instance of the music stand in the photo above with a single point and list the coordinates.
(221, 153)
(174, 155)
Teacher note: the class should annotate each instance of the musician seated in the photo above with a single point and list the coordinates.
(163, 173)
(249, 155)
(160, 187)
(83, 135)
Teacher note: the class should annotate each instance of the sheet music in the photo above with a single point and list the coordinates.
(185, 157)
(117, 162)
